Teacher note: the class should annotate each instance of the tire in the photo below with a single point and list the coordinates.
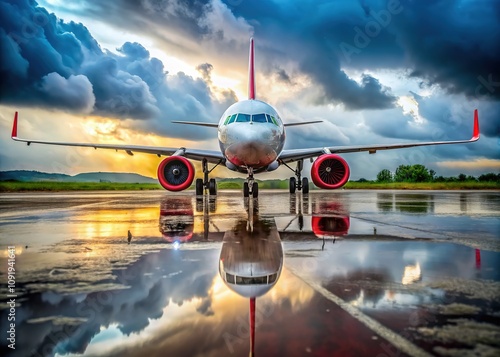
(199, 187)
(293, 185)
(305, 185)
(246, 191)
(255, 190)
(212, 187)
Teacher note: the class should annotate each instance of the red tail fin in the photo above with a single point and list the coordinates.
(252, 324)
(251, 72)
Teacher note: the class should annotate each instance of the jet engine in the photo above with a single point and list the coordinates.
(330, 171)
(176, 219)
(176, 173)
(330, 226)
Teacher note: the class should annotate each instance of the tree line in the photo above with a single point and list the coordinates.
(420, 173)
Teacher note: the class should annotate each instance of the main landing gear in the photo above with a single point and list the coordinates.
(205, 183)
(298, 183)
(250, 187)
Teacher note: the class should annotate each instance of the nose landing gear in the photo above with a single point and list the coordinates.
(250, 187)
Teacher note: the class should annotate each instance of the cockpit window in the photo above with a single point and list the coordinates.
(243, 118)
(227, 120)
(232, 119)
(259, 118)
(230, 278)
(251, 280)
(272, 119)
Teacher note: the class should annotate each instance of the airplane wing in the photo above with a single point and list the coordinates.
(299, 154)
(195, 154)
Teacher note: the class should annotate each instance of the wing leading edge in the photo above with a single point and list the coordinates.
(298, 154)
(194, 154)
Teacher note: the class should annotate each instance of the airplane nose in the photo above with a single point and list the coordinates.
(250, 144)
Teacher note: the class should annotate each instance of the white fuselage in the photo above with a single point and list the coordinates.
(251, 135)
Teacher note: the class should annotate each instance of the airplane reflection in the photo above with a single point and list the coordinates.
(177, 220)
(251, 259)
(185, 219)
(329, 219)
(251, 256)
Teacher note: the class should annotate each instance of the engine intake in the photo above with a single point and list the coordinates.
(176, 173)
(330, 171)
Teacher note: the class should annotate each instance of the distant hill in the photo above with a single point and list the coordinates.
(36, 176)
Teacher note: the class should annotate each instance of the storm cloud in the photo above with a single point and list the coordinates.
(48, 63)
(346, 63)
(452, 44)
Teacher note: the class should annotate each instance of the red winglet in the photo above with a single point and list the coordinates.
(14, 127)
(251, 72)
(475, 134)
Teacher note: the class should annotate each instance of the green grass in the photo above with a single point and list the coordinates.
(238, 184)
(75, 186)
(467, 185)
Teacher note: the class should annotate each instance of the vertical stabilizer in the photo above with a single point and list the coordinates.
(251, 72)
(252, 324)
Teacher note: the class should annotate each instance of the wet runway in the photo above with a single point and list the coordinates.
(343, 273)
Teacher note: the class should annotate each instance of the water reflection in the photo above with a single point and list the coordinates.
(177, 220)
(227, 272)
(405, 202)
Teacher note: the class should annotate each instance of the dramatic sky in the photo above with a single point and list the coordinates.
(374, 71)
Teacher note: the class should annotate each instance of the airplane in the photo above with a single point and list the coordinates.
(251, 137)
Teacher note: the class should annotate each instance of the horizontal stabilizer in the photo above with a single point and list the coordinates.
(212, 125)
(303, 123)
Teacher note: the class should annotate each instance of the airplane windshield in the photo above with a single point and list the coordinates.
(259, 118)
(245, 118)
(254, 280)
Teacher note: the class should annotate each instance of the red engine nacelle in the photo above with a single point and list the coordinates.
(330, 226)
(330, 171)
(176, 173)
(177, 219)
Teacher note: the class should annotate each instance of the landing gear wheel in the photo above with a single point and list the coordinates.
(305, 186)
(255, 190)
(212, 187)
(246, 190)
(199, 187)
(293, 185)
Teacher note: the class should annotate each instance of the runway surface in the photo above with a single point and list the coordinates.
(365, 273)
